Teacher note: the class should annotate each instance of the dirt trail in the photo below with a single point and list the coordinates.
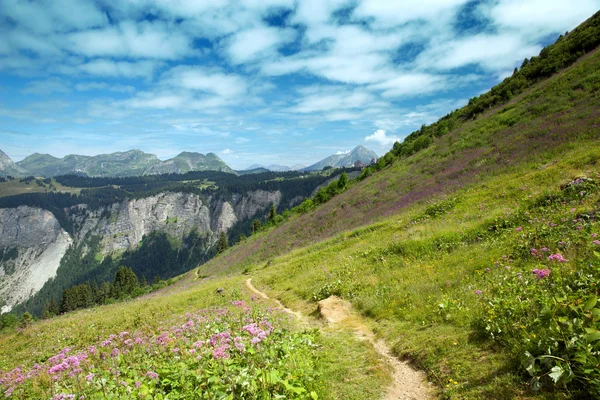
(408, 383)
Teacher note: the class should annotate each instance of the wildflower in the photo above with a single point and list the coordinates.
(89, 377)
(478, 292)
(488, 269)
(596, 242)
(221, 352)
(557, 257)
(152, 375)
(541, 273)
(519, 229)
(138, 384)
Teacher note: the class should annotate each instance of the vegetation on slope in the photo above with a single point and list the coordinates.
(482, 266)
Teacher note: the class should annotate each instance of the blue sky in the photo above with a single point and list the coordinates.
(255, 81)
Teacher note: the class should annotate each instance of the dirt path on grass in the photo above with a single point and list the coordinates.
(408, 383)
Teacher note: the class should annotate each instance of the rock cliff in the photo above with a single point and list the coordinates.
(32, 242)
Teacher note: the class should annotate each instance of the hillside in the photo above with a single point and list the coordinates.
(458, 229)
(471, 249)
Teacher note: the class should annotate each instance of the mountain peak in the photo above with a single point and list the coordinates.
(359, 153)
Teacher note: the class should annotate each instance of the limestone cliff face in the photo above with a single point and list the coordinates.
(32, 242)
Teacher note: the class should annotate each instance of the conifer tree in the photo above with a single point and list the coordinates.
(223, 244)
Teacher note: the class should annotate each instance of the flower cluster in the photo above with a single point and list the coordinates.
(148, 364)
(541, 273)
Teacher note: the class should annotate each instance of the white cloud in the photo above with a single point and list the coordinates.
(158, 101)
(388, 13)
(330, 99)
(47, 16)
(206, 80)
(226, 151)
(241, 140)
(126, 69)
(493, 52)
(339, 153)
(411, 84)
(380, 136)
(86, 86)
(537, 18)
(48, 86)
(132, 39)
(252, 44)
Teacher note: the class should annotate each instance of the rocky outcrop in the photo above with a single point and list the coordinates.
(32, 242)
(37, 243)
(123, 225)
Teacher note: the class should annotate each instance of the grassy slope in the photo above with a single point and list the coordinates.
(15, 187)
(414, 271)
(549, 116)
(408, 269)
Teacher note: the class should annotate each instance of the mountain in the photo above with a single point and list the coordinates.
(359, 153)
(255, 166)
(8, 167)
(297, 167)
(128, 163)
(258, 170)
(278, 168)
(471, 250)
(188, 161)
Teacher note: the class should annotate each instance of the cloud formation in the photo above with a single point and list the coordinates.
(276, 75)
(380, 136)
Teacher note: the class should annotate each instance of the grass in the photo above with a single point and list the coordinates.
(14, 187)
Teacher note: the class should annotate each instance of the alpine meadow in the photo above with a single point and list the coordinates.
(464, 263)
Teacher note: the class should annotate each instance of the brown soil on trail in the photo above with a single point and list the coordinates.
(407, 384)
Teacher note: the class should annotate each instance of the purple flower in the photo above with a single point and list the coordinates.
(519, 229)
(557, 257)
(152, 375)
(478, 292)
(596, 242)
(541, 273)
(488, 269)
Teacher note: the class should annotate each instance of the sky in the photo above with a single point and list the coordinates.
(254, 81)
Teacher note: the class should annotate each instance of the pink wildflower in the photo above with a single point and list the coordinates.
(557, 257)
(541, 273)
(152, 375)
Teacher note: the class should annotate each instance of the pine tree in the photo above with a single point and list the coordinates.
(343, 181)
(26, 319)
(255, 226)
(223, 244)
(272, 214)
(125, 283)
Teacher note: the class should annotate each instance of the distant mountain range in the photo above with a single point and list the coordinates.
(359, 153)
(136, 163)
(128, 163)
(275, 168)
